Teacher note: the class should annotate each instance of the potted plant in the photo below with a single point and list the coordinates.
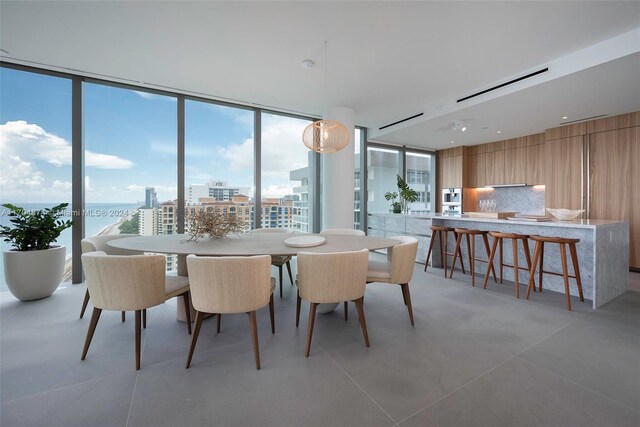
(34, 267)
(396, 207)
(407, 194)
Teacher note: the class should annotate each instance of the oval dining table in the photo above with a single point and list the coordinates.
(247, 244)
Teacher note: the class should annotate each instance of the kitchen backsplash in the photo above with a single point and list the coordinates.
(525, 200)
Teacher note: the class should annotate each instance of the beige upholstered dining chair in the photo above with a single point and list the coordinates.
(398, 269)
(278, 260)
(342, 231)
(99, 243)
(134, 282)
(330, 278)
(230, 285)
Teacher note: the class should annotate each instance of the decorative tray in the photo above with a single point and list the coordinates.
(304, 241)
(532, 218)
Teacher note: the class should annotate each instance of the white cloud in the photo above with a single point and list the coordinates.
(277, 190)
(61, 185)
(147, 95)
(31, 142)
(88, 183)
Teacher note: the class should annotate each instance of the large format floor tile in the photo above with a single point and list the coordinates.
(521, 394)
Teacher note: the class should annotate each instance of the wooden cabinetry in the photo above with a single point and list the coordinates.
(634, 218)
(494, 168)
(524, 165)
(452, 172)
(563, 172)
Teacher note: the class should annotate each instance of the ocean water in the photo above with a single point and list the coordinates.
(97, 216)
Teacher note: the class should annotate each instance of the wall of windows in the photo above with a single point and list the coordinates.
(153, 158)
(35, 147)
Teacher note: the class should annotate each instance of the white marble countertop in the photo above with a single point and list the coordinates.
(400, 215)
(576, 223)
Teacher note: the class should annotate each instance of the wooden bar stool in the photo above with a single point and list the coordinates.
(538, 257)
(443, 235)
(471, 247)
(498, 239)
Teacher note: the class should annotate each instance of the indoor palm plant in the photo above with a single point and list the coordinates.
(407, 194)
(34, 267)
(391, 196)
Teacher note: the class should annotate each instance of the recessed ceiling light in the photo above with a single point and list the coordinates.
(499, 131)
(464, 128)
(452, 142)
(307, 63)
(564, 117)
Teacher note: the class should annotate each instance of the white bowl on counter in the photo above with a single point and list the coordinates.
(565, 214)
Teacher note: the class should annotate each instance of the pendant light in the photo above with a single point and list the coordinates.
(325, 136)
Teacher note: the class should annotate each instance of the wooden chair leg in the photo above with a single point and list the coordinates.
(138, 337)
(95, 316)
(576, 268)
(527, 255)
(492, 255)
(444, 251)
(289, 271)
(312, 319)
(280, 269)
(443, 255)
(272, 315)
(363, 323)
(490, 267)
(194, 337)
(144, 319)
(514, 242)
(122, 315)
(455, 255)
(426, 263)
(534, 263)
(472, 259)
(298, 303)
(218, 322)
(460, 257)
(407, 295)
(254, 337)
(565, 273)
(346, 311)
(187, 309)
(84, 303)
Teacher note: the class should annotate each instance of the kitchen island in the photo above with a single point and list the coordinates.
(603, 252)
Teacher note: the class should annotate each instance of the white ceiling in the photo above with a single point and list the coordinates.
(387, 60)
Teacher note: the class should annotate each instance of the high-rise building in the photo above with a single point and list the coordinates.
(217, 190)
(150, 198)
(148, 221)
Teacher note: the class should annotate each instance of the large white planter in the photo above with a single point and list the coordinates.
(34, 274)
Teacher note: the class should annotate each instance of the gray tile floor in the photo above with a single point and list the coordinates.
(475, 357)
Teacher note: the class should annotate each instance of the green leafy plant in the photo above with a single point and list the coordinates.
(392, 196)
(34, 229)
(407, 194)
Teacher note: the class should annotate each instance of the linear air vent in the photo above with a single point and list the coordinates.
(400, 121)
(583, 119)
(501, 85)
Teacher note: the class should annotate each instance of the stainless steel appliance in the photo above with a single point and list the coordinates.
(452, 201)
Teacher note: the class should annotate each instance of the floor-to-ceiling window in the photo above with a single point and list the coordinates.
(358, 139)
(288, 174)
(383, 164)
(35, 147)
(130, 162)
(219, 166)
(419, 178)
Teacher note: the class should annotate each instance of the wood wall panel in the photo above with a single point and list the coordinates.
(609, 175)
(612, 123)
(494, 169)
(634, 189)
(452, 172)
(534, 169)
(563, 173)
(515, 165)
(477, 170)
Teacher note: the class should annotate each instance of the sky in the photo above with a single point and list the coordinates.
(131, 143)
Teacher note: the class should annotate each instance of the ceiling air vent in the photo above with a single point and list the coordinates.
(501, 85)
(583, 119)
(400, 121)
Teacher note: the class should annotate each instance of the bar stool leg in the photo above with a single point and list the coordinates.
(501, 260)
(541, 265)
(473, 258)
(490, 266)
(426, 263)
(494, 246)
(515, 266)
(444, 254)
(455, 255)
(527, 255)
(532, 272)
(565, 273)
(460, 254)
(576, 268)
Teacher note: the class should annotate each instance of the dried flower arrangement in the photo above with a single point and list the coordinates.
(216, 225)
